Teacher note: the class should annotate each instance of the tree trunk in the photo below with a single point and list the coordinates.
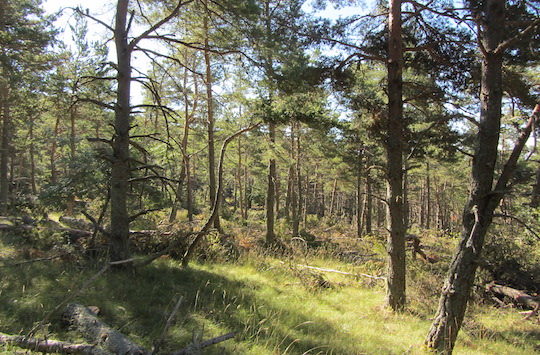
(369, 205)
(5, 148)
(535, 196)
(120, 170)
(359, 200)
(483, 199)
(305, 204)
(210, 118)
(394, 151)
(321, 201)
(406, 205)
(183, 148)
(189, 190)
(247, 191)
(54, 146)
(296, 196)
(73, 133)
(271, 191)
(209, 222)
(428, 196)
(333, 198)
(288, 198)
(299, 192)
(241, 197)
(32, 159)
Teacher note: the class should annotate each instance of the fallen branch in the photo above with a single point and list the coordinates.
(34, 260)
(339, 272)
(159, 342)
(95, 331)
(196, 348)
(49, 346)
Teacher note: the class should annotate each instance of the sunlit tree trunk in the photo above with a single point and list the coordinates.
(484, 197)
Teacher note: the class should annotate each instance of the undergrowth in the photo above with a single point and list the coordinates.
(274, 305)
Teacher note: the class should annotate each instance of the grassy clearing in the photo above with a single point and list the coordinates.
(275, 307)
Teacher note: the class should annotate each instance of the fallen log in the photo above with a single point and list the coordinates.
(33, 260)
(95, 331)
(517, 296)
(50, 346)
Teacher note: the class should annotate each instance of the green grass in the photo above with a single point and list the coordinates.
(275, 308)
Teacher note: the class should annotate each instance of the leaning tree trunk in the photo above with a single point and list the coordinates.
(478, 215)
(484, 198)
(120, 171)
(394, 152)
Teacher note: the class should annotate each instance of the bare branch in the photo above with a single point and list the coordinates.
(142, 213)
(95, 19)
(157, 25)
(95, 102)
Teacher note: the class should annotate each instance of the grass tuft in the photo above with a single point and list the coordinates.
(274, 306)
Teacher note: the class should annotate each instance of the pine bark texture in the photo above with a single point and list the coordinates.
(484, 197)
(120, 170)
(97, 332)
(394, 151)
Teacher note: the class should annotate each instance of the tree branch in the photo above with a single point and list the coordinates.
(157, 25)
(520, 221)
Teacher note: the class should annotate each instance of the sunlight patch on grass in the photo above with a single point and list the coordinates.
(271, 305)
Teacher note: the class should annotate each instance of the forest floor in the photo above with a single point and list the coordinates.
(274, 305)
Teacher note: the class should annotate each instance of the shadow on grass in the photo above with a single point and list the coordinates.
(139, 302)
(242, 299)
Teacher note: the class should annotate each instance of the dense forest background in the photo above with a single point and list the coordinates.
(237, 131)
